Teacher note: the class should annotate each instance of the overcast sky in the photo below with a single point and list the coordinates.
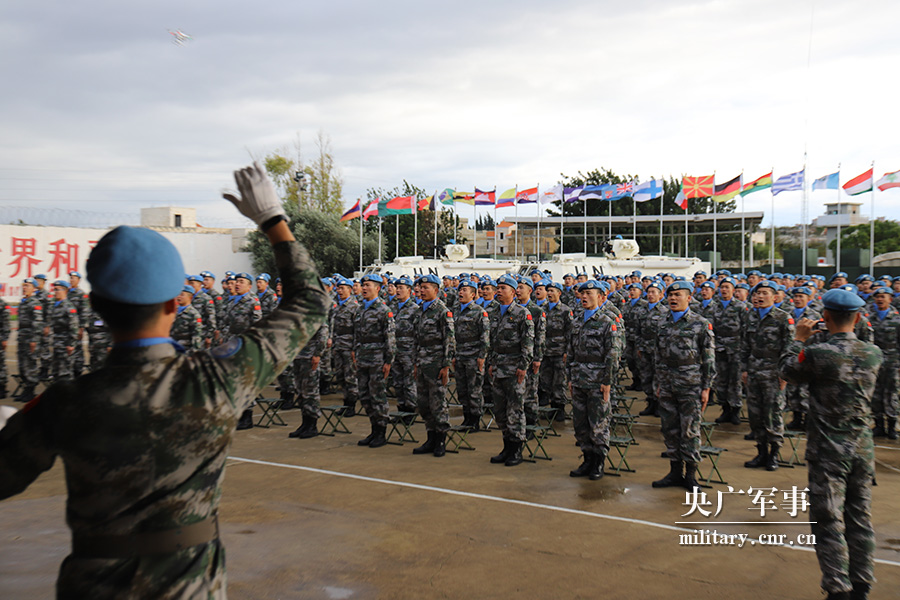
(102, 112)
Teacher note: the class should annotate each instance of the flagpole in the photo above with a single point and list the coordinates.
(495, 220)
(712, 264)
(687, 205)
(415, 225)
(633, 217)
(837, 256)
(743, 227)
(397, 237)
(379, 239)
(872, 228)
(772, 249)
(360, 237)
(585, 225)
(438, 209)
(475, 209)
(662, 198)
(537, 233)
(803, 209)
(517, 227)
(610, 219)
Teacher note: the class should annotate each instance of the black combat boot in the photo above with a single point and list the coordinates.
(3, 392)
(439, 438)
(674, 478)
(838, 596)
(725, 417)
(760, 459)
(650, 410)
(560, 413)
(797, 423)
(597, 460)
(428, 446)
(300, 430)
(772, 459)
(515, 454)
(501, 458)
(26, 395)
(584, 469)
(735, 415)
(690, 476)
(349, 409)
(368, 439)
(287, 400)
(750, 436)
(860, 591)
(476, 423)
(311, 430)
(246, 420)
(378, 440)
(879, 427)
(892, 429)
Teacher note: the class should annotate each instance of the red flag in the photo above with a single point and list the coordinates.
(371, 210)
(698, 187)
(353, 213)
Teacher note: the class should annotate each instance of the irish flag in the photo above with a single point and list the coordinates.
(889, 180)
(859, 184)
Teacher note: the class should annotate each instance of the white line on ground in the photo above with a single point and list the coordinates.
(551, 507)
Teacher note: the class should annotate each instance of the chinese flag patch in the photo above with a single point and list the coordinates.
(710, 326)
(790, 320)
(72, 311)
(484, 313)
(390, 314)
(528, 316)
(802, 356)
(614, 328)
(449, 314)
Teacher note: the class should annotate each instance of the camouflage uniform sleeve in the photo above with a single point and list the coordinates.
(707, 343)
(250, 362)
(209, 320)
(787, 333)
(4, 322)
(74, 324)
(390, 346)
(449, 339)
(26, 449)
(540, 336)
(355, 344)
(567, 327)
(795, 363)
(611, 358)
(320, 339)
(486, 335)
(526, 335)
(196, 331)
(745, 343)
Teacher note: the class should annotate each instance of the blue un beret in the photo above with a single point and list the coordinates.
(467, 283)
(75, 274)
(765, 283)
(554, 285)
(658, 284)
(542, 283)
(430, 278)
(507, 280)
(326, 281)
(884, 290)
(591, 284)
(850, 287)
(485, 281)
(373, 278)
(264, 276)
(209, 274)
(134, 265)
(41, 276)
(742, 286)
(246, 276)
(188, 289)
(865, 277)
(194, 278)
(404, 280)
(841, 300)
(728, 279)
(65, 284)
(29, 280)
(679, 285)
(527, 281)
(341, 280)
(801, 289)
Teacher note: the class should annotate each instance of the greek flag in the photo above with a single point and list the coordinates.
(789, 183)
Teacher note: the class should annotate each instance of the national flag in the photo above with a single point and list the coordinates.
(789, 183)
(860, 184)
(426, 203)
(371, 209)
(483, 198)
(723, 192)
(572, 194)
(761, 183)
(594, 192)
(529, 196)
(828, 182)
(402, 205)
(648, 190)
(625, 189)
(554, 194)
(890, 180)
(464, 198)
(614, 192)
(352, 213)
(698, 187)
(446, 197)
(681, 200)
(507, 198)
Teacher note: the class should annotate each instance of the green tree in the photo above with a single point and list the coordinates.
(887, 237)
(321, 186)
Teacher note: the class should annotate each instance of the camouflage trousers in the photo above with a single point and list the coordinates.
(61, 365)
(509, 407)
(648, 375)
(99, 350)
(373, 394)
(728, 379)
(796, 397)
(306, 384)
(345, 375)
(765, 404)
(45, 351)
(404, 383)
(679, 417)
(631, 360)
(884, 400)
(78, 357)
(590, 418)
(840, 505)
(553, 383)
(28, 362)
(531, 395)
(3, 372)
(432, 398)
(469, 382)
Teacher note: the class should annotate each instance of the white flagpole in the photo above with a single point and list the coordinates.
(633, 217)
(743, 234)
(609, 235)
(360, 236)
(379, 240)
(438, 209)
(416, 225)
(712, 263)
(475, 209)
(803, 209)
(537, 232)
(585, 225)
(562, 222)
(397, 236)
(872, 228)
(772, 249)
(495, 220)
(662, 198)
(837, 255)
(517, 227)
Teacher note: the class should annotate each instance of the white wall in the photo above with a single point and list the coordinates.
(26, 250)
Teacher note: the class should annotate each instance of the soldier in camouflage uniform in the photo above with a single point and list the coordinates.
(187, 328)
(243, 311)
(523, 297)
(647, 328)
(568, 295)
(841, 372)
(45, 344)
(63, 318)
(511, 356)
(99, 341)
(797, 396)
(206, 308)
(686, 365)
(435, 347)
(30, 333)
(5, 330)
(449, 295)
(706, 306)
(473, 330)
(593, 353)
(634, 307)
(209, 288)
(374, 347)
(886, 323)
(768, 332)
(305, 371)
(139, 531)
(79, 300)
(406, 313)
(267, 298)
(341, 330)
(553, 383)
(728, 318)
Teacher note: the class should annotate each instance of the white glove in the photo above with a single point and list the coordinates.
(258, 200)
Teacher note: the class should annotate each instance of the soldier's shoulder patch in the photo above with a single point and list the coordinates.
(228, 349)
(802, 356)
(613, 327)
(72, 310)
(710, 326)
(391, 314)
(199, 320)
(528, 317)
(790, 320)
(449, 314)
(484, 313)
(571, 314)
(37, 307)
(257, 306)
(543, 314)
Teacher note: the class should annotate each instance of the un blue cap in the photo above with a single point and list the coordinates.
(61, 283)
(850, 287)
(341, 280)
(591, 284)
(572, 275)
(188, 289)
(134, 265)
(468, 283)
(555, 285)
(708, 284)
(30, 280)
(430, 278)
(196, 278)
(325, 281)
(884, 290)
(209, 274)
(679, 285)
(839, 274)
(75, 274)
(485, 281)
(264, 276)
(41, 276)
(404, 280)
(864, 277)
(526, 281)
(658, 284)
(765, 283)
(841, 300)
(542, 283)
(700, 273)
(728, 279)
(742, 286)
(801, 289)
(373, 278)
(507, 280)
(246, 276)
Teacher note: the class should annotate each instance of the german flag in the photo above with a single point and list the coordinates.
(698, 187)
(724, 192)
